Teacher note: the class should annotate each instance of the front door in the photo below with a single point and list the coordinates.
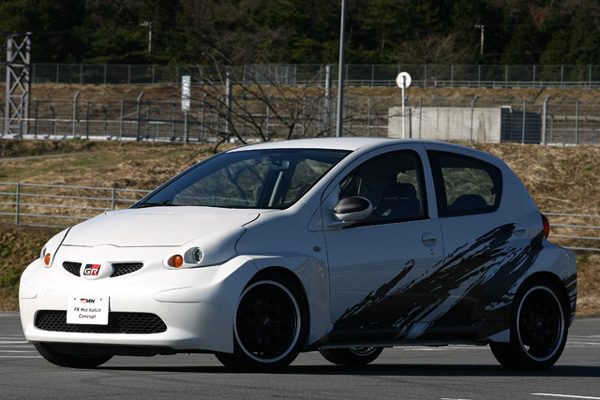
(377, 265)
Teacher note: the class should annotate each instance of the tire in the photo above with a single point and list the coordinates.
(538, 329)
(70, 360)
(270, 325)
(352, 355)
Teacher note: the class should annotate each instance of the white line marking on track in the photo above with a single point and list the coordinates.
(18, 351)
(448, 398)
(20, 356)
(565, 396)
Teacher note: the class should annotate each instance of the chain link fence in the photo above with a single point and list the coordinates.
(476, 76)
(525, 121)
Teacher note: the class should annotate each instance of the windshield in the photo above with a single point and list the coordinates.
(274, 178)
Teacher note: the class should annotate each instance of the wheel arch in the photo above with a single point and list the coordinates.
(276, 271)
(312, 279)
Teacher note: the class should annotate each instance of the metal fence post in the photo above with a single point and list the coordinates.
(420, 115)
(139, 102)
(472, 114)
(524, 120)
(121, 120)
(369, 118)
(544, 118)
(228, 95)
(35, 122)
(17, 202)
(576, 121)
(75, 113)
(113, 199)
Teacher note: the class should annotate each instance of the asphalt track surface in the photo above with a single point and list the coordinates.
(444, 373)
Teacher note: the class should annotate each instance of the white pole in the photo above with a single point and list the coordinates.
(403, 119)
(340, 96)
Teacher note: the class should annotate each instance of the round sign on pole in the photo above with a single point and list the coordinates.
(403, 80)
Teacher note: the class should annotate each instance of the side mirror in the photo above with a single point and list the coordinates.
(352, 209)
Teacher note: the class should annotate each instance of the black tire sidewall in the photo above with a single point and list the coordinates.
(70, 360)
(347, 356)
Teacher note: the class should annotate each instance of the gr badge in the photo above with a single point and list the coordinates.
(91, 270)
(97, 271)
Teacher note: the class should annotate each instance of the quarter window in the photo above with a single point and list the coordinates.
(464, 185)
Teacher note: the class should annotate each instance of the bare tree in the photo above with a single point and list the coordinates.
(259, 104)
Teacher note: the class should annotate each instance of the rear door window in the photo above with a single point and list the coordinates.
(464, 185)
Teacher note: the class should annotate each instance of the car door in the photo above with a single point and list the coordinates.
(476, 237)
(374, 263)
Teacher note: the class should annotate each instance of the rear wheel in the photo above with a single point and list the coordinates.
(538, 329)
(352, 355)
(270, 325)
(70, 360)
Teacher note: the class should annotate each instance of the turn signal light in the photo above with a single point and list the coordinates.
(47, 259)
(176, 261)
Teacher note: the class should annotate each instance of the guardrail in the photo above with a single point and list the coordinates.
(575, 231)
(62, 206)
(58, 205)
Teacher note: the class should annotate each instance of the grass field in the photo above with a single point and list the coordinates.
(560, 179)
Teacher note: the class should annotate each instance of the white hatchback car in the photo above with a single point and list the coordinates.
(344, 246)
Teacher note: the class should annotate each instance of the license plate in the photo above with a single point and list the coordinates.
(88, 310)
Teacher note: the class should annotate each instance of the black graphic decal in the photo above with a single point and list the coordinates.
(446, 291)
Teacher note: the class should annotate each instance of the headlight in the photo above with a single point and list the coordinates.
(193, 257)
(51, 247)
(206, 251)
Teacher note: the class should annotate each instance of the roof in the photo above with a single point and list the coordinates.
(343, 143)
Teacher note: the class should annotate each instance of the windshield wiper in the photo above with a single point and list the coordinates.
(164, 203)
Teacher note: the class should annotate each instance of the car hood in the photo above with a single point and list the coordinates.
(158, 226)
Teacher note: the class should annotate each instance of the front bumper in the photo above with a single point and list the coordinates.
(196, 305)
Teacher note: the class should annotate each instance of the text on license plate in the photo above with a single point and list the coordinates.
(88, 309)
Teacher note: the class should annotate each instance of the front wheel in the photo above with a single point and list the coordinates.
(352, 355)
(270, 325)
(538, 329)
(70, 360)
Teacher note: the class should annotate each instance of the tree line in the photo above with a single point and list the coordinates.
(238, 32)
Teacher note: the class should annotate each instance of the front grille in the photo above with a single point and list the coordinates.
(72, 267)
(118, 322)
(125, 268)
(119, 269)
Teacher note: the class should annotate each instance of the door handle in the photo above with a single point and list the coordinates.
(429, 238)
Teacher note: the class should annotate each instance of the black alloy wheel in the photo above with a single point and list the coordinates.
(270, 325)
(538, 329)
